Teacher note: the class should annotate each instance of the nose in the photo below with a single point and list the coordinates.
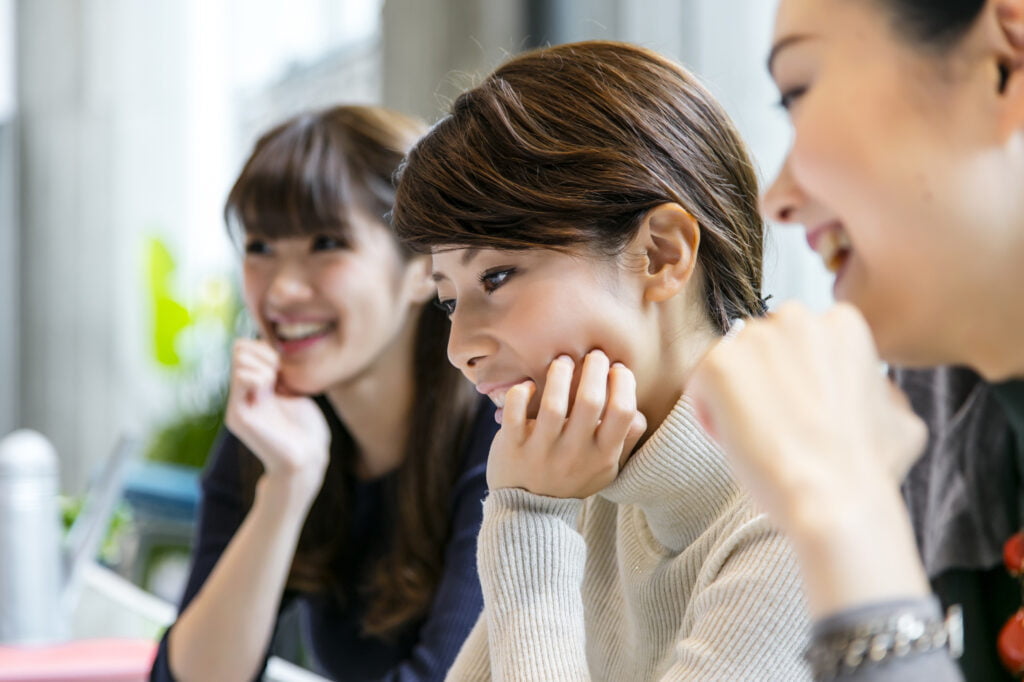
(289, 285)
(783, 198)
(468, 341)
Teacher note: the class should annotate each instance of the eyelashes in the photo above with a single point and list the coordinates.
(493, 279)
(789, 97)
(257, 246)
(490, 281)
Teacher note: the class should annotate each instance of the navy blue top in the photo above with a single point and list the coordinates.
(332, 631)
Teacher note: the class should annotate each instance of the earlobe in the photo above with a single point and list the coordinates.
(671, 238)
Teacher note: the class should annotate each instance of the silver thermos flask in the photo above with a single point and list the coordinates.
(30, 541)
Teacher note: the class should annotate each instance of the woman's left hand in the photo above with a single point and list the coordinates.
(563, 453)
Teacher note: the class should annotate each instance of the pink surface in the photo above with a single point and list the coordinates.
(88, 660)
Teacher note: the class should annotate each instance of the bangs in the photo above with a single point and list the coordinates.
(296, 184)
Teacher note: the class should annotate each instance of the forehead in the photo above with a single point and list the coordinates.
(858, 29)
(825, 17)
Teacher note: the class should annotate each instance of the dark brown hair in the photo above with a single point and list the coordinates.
(572, 145)
(939, 23)
(304, 178)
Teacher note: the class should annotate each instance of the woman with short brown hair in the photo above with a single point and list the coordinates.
(592, 217)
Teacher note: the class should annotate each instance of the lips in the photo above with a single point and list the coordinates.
(832, 244)
(497, 391)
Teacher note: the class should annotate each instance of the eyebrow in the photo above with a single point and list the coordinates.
(468, 255)
(781, 45)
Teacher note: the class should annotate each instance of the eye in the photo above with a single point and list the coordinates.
(789, 97)
(257, 247)
(447, 305)
(326, 242)
(495, 278)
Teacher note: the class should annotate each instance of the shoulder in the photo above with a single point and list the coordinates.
(744, 541)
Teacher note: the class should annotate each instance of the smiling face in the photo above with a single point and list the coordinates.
(901, 174)
(334, 311)
(513, 312)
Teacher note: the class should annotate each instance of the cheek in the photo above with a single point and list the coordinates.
(576, 328)
(254, 286)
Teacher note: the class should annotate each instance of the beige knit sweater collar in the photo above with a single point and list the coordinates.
(679, 479)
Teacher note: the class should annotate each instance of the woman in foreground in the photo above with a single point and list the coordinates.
(907, 171)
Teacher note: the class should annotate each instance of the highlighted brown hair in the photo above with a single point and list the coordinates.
(571, 145)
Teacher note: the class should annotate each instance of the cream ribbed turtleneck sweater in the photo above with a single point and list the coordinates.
(667, 574)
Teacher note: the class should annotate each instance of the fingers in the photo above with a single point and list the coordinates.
(513, 418)
(591, 396)
(908, 431)
(620, 412)
(254, 369)
(637, 428)
(554, 403)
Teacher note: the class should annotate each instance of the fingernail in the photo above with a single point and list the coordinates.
(565, 358)
(618, 365)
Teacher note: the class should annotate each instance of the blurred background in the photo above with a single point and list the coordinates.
(123, 124)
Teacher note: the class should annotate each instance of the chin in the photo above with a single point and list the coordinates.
(906, 353)
(302, 384)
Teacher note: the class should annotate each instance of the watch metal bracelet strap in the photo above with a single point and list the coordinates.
(885, 639)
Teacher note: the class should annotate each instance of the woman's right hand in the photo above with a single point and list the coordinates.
(287, 432)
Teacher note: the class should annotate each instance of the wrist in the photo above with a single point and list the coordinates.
(290, 492)
(856, 551)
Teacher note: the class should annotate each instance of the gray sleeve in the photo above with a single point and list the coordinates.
(932, 666)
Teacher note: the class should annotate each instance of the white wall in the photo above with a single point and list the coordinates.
(9, 288)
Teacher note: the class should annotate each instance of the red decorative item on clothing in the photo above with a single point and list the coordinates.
(1011, 643)
(1011, 637)
(1013, 554)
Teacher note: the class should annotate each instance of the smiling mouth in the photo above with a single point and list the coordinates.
(498, 392)
(834, 248)
(301, 331)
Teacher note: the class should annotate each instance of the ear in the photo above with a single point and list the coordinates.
(1009, 21)
(669, 237)
(418, 283)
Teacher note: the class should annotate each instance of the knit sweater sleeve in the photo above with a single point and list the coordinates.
(746, 618)
(531, 560)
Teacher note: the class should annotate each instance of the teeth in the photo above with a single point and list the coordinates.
(300, 330)
(833, 247)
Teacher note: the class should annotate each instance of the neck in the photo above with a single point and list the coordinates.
(995, 344)
(671, 369)
(375, 406)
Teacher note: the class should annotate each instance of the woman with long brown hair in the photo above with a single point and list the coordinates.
(351, 474)
(593, 223)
